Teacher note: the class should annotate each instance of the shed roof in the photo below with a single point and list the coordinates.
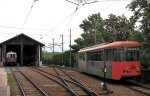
(21, 36)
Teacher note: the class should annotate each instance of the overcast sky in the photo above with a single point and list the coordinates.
(49, 19)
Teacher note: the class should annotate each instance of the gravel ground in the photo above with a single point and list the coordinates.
(4, 89)
(49, 86)
(94, 84)
(118, 90)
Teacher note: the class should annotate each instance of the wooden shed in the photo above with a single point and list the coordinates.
(28, 50)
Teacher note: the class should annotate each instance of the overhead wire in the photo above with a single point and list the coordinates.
(28, 15)
(108, 6)
(71, 15)
(61, 22)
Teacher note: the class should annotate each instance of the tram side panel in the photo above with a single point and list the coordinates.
(82, 65)
(96, 68)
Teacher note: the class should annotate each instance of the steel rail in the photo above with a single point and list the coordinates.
(85, 88)
(68, 89)
(71, 81)
(63, 80)
(32, 82)
(20, 87)
(135, 87)
(138, 84)
(89, 92)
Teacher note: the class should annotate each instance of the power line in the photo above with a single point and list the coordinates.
(108, 6)
(11, 27)
(28, 15)
(61, 22)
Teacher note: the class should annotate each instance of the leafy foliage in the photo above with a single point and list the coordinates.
(115, 28)
(46, 57)
(141, 10)
(118, 28)
(56, 58)
(91, 26)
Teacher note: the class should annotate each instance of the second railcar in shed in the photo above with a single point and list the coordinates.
(111, 60)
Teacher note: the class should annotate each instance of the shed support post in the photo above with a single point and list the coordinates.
(38, 55)
(0, 56)
(21, 57)
(3, 54)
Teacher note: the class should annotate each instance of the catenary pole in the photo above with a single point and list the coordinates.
(62, 49)
(53, 51)
(70, 47)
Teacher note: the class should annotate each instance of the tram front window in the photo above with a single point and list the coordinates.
(132, 54)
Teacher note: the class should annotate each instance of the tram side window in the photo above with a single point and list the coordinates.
(95, 56)
(120, 54)
(82, 56)
(114, 54)
(88, 56)
(132, 54)
(101, 56)
(108, 54)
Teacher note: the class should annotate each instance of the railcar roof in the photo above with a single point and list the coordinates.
(11, 52)
(111, 45)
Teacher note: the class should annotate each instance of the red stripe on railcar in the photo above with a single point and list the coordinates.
(125, 69)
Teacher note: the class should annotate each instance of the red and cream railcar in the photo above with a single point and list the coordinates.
(116, 60)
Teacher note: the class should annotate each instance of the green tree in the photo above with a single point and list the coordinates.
(46, 57)
(141, 10)
(115, 28)
(92, 26)
(118, 28)
(57, 57)
(93, 30)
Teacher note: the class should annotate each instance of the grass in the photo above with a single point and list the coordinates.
(13, 85)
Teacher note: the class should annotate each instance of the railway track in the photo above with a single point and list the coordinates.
(26, 85)
(139, 88)
(75, 87)
(145, 90)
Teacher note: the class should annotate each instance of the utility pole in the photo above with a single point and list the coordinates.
(62, 49)
(95, 32)
(70, 47)
(53, 51)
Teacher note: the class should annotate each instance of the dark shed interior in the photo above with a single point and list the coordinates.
(28, 50)
(29, 56)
